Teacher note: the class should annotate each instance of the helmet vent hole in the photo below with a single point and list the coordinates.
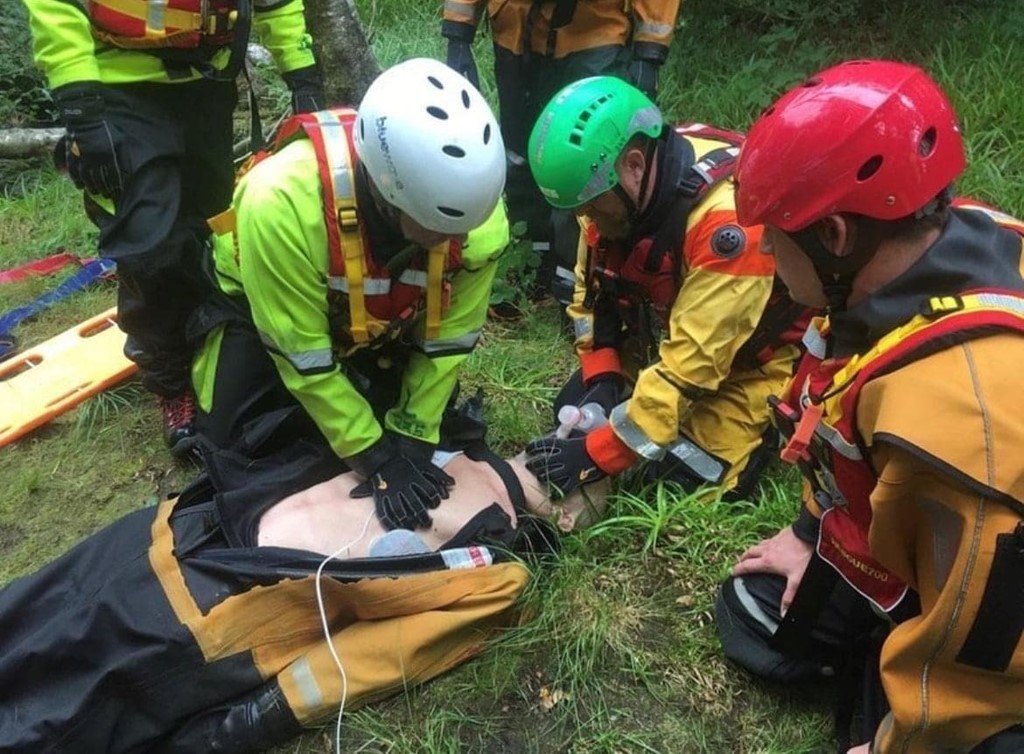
(869, 168)
(585, 116)
(487, 133)
(465, 99)
(435, 82)
(362, 130)
(927, 144)
(451, 212)
(453, 151)
(575, 139)
(437, 112)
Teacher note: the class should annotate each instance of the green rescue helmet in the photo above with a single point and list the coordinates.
(580, 134)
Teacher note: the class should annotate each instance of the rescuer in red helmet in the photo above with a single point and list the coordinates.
(903, 417)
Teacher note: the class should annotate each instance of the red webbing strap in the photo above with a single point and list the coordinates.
(40, 267)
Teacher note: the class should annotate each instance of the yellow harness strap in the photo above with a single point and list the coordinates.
(435, 284)
(360, 321)
(341, 189)
(938, 307)
(225, 222)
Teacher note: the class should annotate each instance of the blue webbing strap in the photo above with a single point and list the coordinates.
(9, 320)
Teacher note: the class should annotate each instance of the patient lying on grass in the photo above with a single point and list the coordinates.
(195, 626)
(325, 518)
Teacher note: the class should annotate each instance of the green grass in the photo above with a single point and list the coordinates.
(619, 654)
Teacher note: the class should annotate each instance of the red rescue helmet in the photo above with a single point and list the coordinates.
(871, 137)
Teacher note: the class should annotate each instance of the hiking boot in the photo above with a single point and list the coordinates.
(179, 413)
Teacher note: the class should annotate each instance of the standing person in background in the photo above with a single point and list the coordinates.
(539, 47)
(355, 268)
(147, 94)
(683, 330)
(904, 418)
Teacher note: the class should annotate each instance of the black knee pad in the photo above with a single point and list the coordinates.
(746, 616)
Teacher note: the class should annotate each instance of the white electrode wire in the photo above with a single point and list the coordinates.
(327, 629)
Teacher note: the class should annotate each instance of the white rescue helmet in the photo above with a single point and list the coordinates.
(431, 146)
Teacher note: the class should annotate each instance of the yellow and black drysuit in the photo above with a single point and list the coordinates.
(904, 419)
(690, 311)
(147, 92)
(325, 305)
(171, 631)
(541, 46)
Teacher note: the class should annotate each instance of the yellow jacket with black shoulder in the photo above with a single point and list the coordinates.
(70, 47)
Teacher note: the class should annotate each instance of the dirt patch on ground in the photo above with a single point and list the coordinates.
(10, 537)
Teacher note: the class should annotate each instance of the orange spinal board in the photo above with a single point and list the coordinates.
(48, 379)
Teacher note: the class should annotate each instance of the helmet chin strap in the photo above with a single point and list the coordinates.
(837, 273)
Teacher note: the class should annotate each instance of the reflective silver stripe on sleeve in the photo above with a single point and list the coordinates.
(583, 326)
(633, 436)
(156, 15)
(565, 273)
(698, 460)
(459, 9)
(450, 346)
(305, 682)
(303, 361)
(652, 29)
(371, 286)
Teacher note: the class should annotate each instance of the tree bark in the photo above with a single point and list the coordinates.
(18, 143)
(342, 50)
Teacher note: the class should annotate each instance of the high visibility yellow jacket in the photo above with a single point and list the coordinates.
(67, 51)
(281, 265)
(593, 23)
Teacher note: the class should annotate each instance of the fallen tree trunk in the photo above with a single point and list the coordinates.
(19, 143)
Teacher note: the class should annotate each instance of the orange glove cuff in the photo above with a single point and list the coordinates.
(601, 361)
(610, 453)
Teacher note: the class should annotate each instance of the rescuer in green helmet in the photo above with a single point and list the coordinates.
(681, 326)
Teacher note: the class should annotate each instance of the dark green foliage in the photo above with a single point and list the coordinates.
(23, 99)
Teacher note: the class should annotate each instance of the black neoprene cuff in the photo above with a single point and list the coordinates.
(80, 102)
(806, 527)
(304, 79)
(458, 31)
(652, 52)
(366, 462)
(412, 447)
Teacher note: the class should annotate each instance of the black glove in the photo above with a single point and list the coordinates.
(460, 59)
(403, 485)
(643, 69)
(460, 49)
(606, 390)
(94, 154)
(307, 89)
(564, 465)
